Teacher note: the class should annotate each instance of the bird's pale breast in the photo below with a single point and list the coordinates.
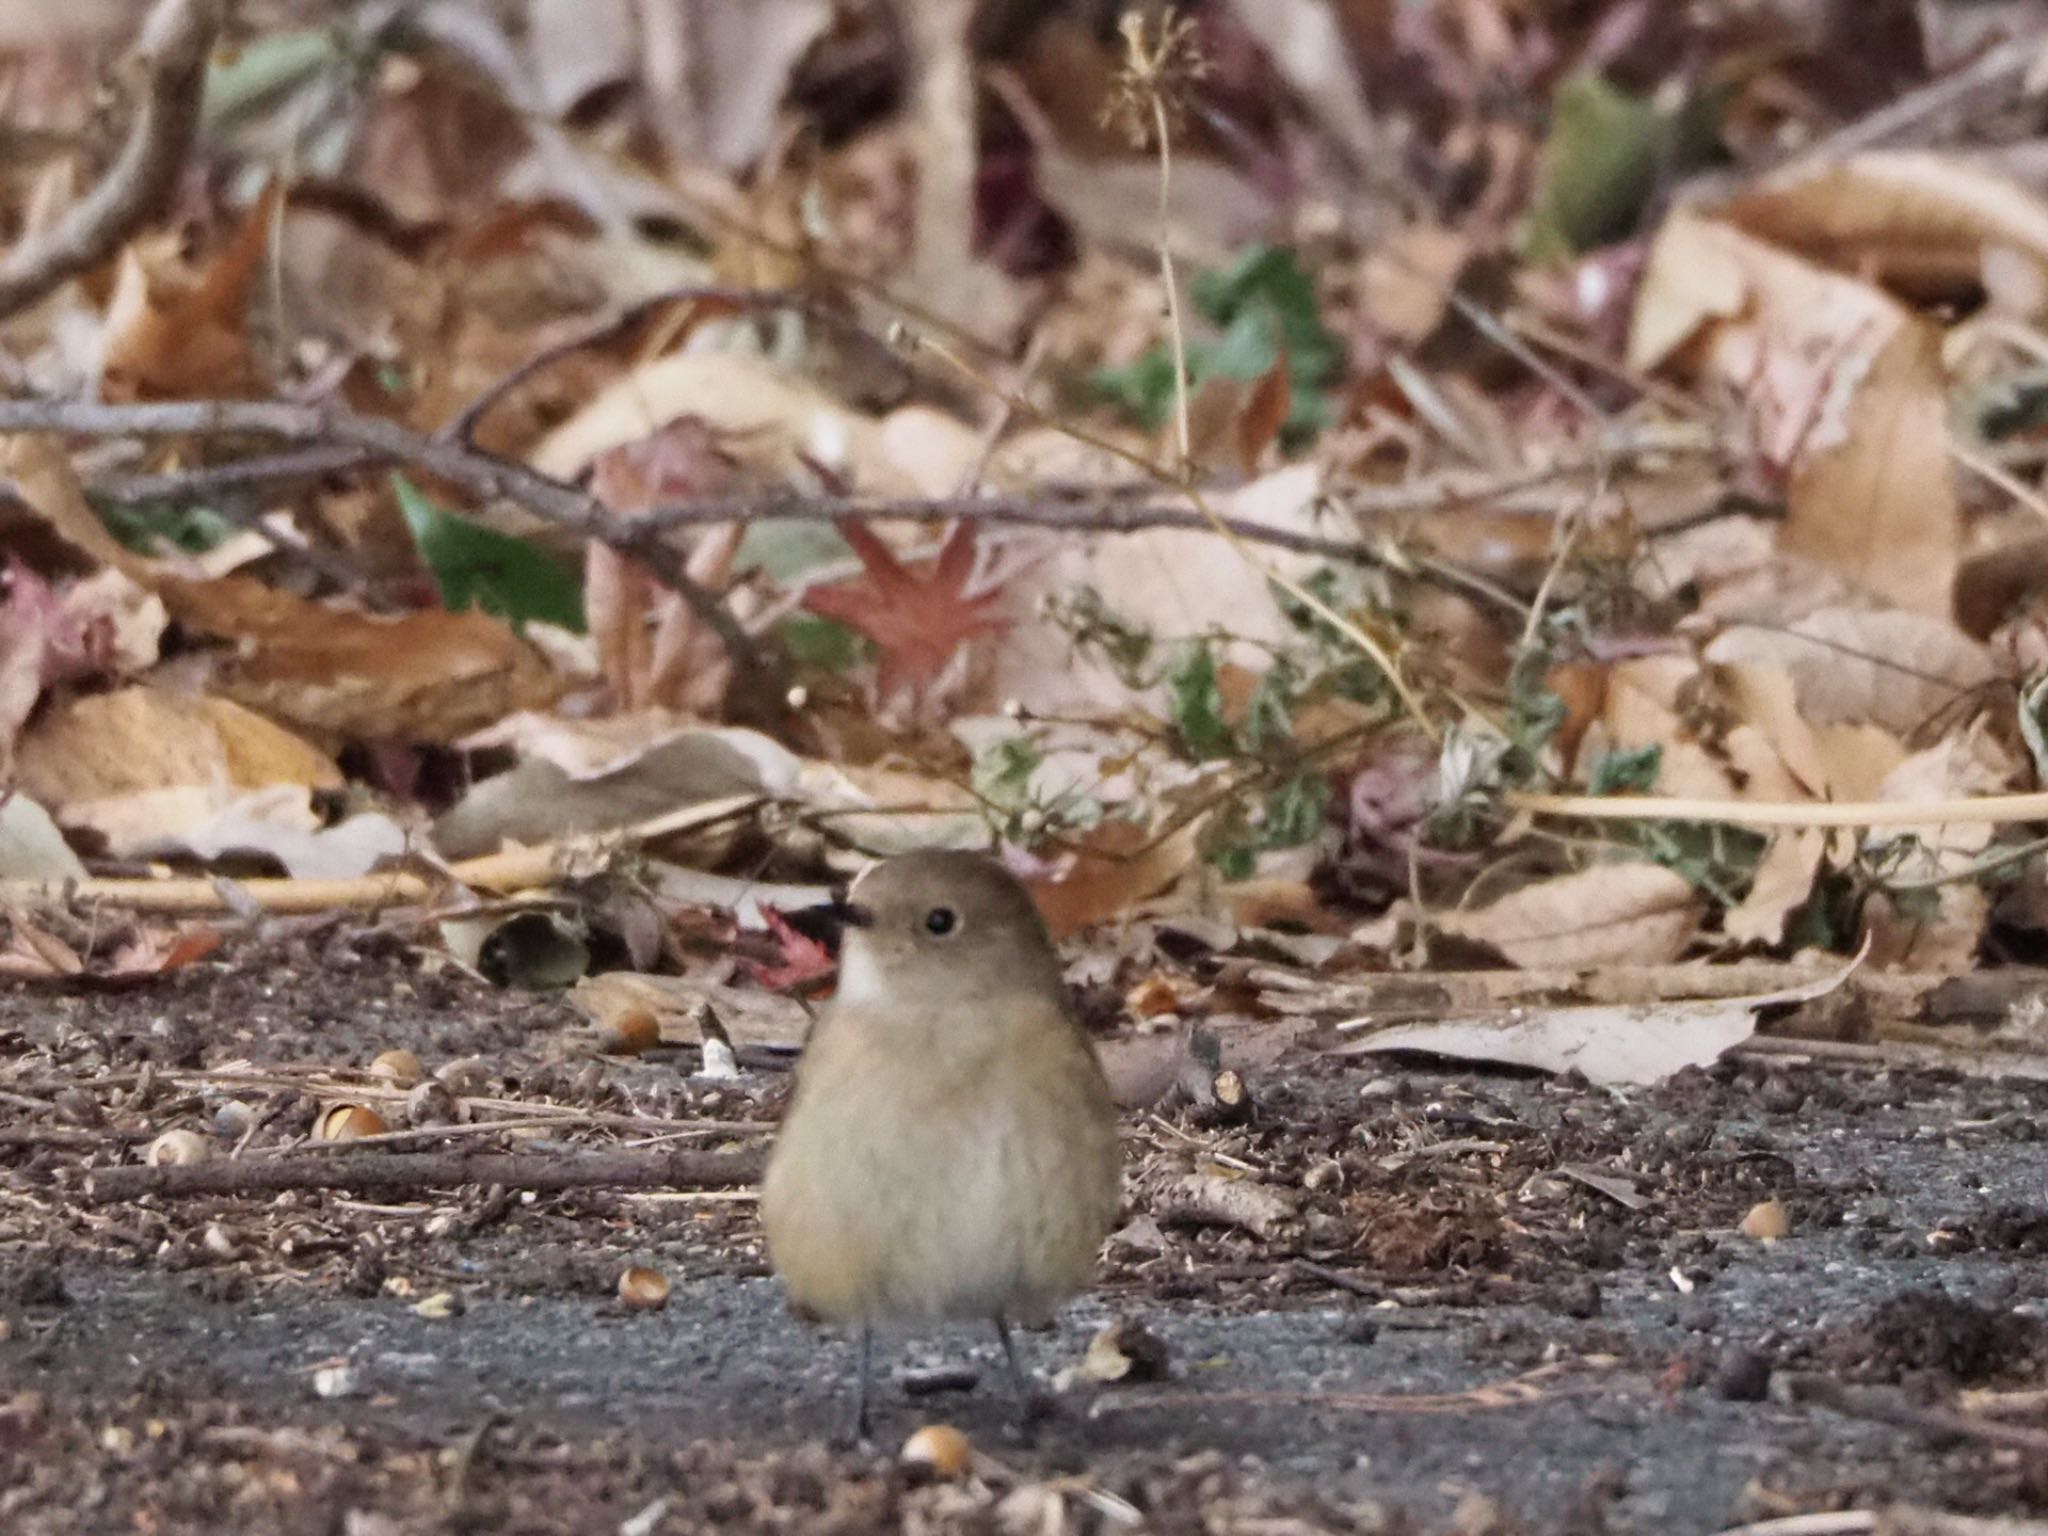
(911, 1185)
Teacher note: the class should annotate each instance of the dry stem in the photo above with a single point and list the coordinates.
(175, 41)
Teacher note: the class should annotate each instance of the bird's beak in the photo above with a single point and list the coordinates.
(828, 921)
(848, 914)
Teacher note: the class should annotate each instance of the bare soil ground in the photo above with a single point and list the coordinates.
(1477, 1301)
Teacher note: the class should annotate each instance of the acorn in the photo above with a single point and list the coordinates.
(351, 1122)
(1767, 1221)
(179, 1146)
(401, 1069)
(632, 1032)
(642, 1289)
(939, 1451)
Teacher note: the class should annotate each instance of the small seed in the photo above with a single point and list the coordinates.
(642, 1289)
(1767, 1221)
(179, 1147)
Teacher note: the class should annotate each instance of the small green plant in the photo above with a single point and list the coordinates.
(1264, 311)
(148, 526)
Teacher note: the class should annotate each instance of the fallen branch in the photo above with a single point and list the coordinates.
(517, 869)
(174, 43)
(1887, 1406)
(1532, 1387)
(332, 440)
(412, 1172)
(1978, 810)
(758, 683)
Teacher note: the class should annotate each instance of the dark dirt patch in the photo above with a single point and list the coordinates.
(1934, 1341)
(1563, 1257)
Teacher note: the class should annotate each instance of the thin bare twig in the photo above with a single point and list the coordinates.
(463, 427)
(174, 43)
(1978, 810)
(757, 681)
(1889, 1406)
(407, 1172)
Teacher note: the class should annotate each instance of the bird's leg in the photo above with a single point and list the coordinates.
(1032, 1404)
(859, 1433)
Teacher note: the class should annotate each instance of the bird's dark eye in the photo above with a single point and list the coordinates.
(940, 921)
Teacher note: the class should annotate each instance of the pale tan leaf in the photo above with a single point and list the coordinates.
(1609, 914)
(1767, 697)
(142, 766)
(1902, 937)
(1844, 389)
(1916, 220)
(1783, 883)
(1880, 507)
(1120, 866)
(1886, 667)
(1858, 758)
(772, 421)
(31, 847)
(1608, 1043)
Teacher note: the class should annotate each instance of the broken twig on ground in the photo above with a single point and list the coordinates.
(404, 1172)
(174, 43)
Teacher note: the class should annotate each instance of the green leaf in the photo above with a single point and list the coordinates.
(1261, 303)
(1143, 388)
(1598, 168)
(812, 640)
(478, 567)
(1197, 706)
(1268, 718)
(1235, 862)
(1294, 811)
(1626, 772)
(147, 526)
(269, 67)
(1003, 770)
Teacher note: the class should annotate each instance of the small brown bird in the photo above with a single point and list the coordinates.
(951, 1149)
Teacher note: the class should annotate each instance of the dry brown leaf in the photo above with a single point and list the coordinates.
(1846, 392)
(172, 335)
(1166, 581)
(1609, 914)
(1406, 283)
(1887, 667)
(1903, 937)
(1120, 865)
(431, 676)
(652, 649)
(146, 738)
(1641, 710)
(774, 423)
(142, 765)
(1880, 507)
(427, 676)
(1768, 699)
(1903, 933)
(28, 953)
(1858, 758)
(1609, 1043)
(1915, 220)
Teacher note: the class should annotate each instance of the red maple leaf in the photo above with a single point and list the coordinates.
(803, 962)
(918, 619)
